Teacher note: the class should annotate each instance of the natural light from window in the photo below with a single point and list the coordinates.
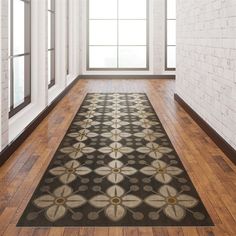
(171, 35)
(118, 34)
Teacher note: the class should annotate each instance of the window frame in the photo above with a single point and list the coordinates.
(27, 98)
(166, 38)
(52, 12)
(147, 68)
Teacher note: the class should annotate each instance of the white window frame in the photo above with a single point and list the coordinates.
(166, 38)
(147, 68)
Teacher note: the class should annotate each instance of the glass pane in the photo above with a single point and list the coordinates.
(171, 9)
(51, 66)
(171, 57)
(103, 32)
(49, 30)
(132, 57)
(132, 32)
(21, 78)
(21, 27)
(103, 57)
(103, 9)
(171, 32)
(132, 9)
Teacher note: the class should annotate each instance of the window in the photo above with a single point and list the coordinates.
(118, 35)
(51, 43)
(170, 34)
(19, 55)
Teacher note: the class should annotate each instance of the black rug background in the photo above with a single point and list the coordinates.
(41, 221)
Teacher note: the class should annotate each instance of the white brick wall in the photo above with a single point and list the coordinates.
(206, 61)
(158, 36)
(4, 74)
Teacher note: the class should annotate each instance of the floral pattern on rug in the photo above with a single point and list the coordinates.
(115, 167)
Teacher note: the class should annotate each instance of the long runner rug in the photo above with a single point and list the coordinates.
(116, 166)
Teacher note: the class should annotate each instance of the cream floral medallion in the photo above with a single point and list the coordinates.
(161, 171)
(96, 100)
(142, 114)
(115, 166)
(115, 171)
(116, 107)
(116, 150)
(116, 135)
(154, 150)
(173, 203)
(116, 123)
(82, 135)
(116, 114)
(77, 150)
(87, 123)
(145, 123)
(115, 97)
(140, 107)
(115, 203)
(90, 114)
(149, 135)
(58, 203)
(70, 171)
(92, 107)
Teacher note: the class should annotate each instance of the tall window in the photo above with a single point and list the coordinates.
(19, 55)
(118, 35)
(170, 34)
(51, 43)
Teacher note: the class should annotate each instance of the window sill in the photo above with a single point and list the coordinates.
(22, 119)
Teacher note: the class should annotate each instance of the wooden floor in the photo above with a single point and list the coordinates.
(213, 175)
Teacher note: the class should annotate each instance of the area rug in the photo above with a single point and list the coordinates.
(115, 166)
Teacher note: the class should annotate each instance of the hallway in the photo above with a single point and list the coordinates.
(213, 175)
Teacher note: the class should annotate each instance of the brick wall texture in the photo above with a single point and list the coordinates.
(206, 61)
(4, 73)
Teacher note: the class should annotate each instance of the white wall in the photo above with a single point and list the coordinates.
(156, 42)
(206, 61)
(41, 96)
(158, 28)
(3, 75)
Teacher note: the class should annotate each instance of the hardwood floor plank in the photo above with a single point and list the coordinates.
(56, 232)
(116, 231)
(175, 232)
(160, 232)
(190, 232)
(101, 231)
(145, 231)
(130, 231)
(40, 232)
(72, 232)
(5, 218)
